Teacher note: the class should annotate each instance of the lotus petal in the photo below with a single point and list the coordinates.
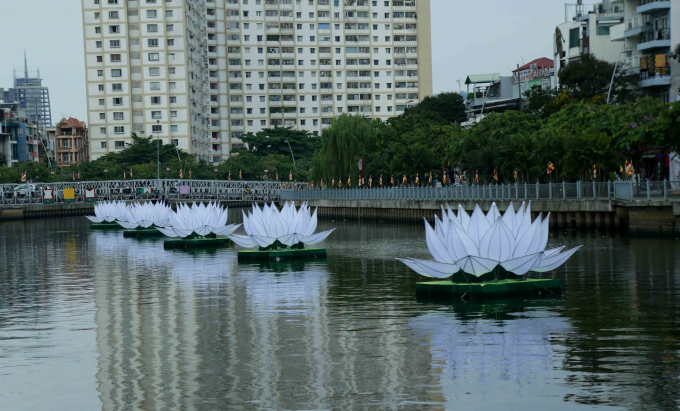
(128, 225)
(435, 269)
(459, 244)
(317, 238)
(226, 230)
(242, 240)
(262, 241)
(182, 232)
(552, 262)
(313, 221)
(290, 239)
(415, 267)
(551, 252)
(168, 231)
(493, 214)
(525, 222)
(510, 219)
(463, 217)
(524, 242)
(522, 265)
(479, 225)
(545, 227)
(95, 219)
(498, 242)
(437, 249)
(476, 266)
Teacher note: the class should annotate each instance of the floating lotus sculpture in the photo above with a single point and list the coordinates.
(147, 215)
(109, 212)
(270, 228)
(198, 221)
(479, 243)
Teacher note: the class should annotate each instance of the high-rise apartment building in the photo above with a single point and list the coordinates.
(32, 96)
(201, 73)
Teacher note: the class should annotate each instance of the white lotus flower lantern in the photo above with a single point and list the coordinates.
(199, 221)
(477, 244)
(147, 215)
(269, 228)
(109, 212)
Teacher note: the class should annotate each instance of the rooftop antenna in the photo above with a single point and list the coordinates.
(25, 65)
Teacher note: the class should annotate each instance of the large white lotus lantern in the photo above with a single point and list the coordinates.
(478, 244)
(269, 228)
(199, 221)
(109, 212)
(147, 215)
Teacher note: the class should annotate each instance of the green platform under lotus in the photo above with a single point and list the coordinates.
(174, 243)
(493, 289)
(142, 232)
(280, 255)
(105, 226)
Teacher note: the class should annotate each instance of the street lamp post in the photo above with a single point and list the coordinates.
(158, 150)
(291, 153)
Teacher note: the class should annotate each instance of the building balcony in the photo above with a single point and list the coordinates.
(653, 6)
(653, 39)
(660, 79)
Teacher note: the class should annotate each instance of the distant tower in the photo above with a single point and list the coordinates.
(32, 96)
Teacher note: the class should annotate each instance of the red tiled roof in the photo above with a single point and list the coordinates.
(74, 122)
(540, 63)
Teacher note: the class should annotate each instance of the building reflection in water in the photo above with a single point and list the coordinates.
(196, 330)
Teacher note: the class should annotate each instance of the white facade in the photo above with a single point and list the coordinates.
(587, 31)
(229, 67)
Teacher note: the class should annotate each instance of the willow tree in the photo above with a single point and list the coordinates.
(342, 144)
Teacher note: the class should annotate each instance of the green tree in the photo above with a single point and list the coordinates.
(446, 107)
(590, 77)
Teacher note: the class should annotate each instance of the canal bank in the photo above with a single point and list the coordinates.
(645, 217)
(650, 217)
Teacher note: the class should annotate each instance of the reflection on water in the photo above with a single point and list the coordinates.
(89, 319)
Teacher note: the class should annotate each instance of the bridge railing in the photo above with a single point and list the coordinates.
(620, 190)
(166, 189)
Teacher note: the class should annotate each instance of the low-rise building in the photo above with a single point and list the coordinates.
(586, 30)
(22, 137)
(71, 142)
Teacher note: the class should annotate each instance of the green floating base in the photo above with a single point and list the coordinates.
(271, 255)
(146, 232)
(195, 243)
(106, 226)
(500, 289)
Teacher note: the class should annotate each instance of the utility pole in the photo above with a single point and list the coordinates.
(519, 89)
(158, 150)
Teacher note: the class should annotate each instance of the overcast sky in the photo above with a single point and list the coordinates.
(468, 37)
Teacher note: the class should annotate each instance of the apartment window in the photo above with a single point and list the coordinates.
(168, 13)
(119, 144)
(574, 38)
(114, 29)
(103, 143)
(153, 42)
(100, 59)
(98, 30)
(116, 72)
(96, 16)
(102, 116)
(133, 42)
(156, 115)
(100, 87)
(115, 58)
(157, 128)
(154, 71)
(155, 85)
(171, 70)
(114, 44)
(173, 100)
(171, 42)
(171, 56)
(152, 28)
(154, 57)
(173, 113)
(173, 85)
(101, 101)
(174, 141)
(100, 73)
(117, 101)
(173, 128)
(113, 14)
(155, 100)
(118, 115)
(98, 44)
(151, 14)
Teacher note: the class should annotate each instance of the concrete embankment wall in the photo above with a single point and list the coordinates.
(645, 217)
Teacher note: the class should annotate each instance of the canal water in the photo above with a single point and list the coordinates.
(91, 320)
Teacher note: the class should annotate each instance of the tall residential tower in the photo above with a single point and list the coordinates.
(201, 73)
